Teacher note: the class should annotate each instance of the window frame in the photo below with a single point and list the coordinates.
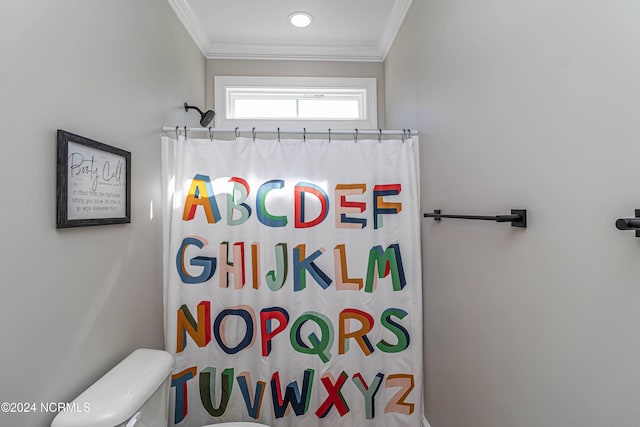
(365, 85)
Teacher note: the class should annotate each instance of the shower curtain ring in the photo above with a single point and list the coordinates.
(177, 134)
(355, 136)
(408, 133)
(236, 132)
(379, 136)
(210, 134)
(304, 134)
(253, 134)
(185, 133)
(329, 134)
(278, 134)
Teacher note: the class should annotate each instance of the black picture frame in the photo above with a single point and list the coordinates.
(93, 182)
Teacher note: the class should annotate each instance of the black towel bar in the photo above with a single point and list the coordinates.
(517, 218)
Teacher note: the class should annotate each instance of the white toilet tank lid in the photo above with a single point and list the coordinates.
(120, 392)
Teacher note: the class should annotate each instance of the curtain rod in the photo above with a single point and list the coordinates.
(294, 131)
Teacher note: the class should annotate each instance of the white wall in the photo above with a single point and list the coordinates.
(235, 67)
(74, 302)
(526, 104)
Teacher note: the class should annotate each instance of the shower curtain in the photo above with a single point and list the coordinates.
(292, 281)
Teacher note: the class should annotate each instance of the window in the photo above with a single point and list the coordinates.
(313, 102)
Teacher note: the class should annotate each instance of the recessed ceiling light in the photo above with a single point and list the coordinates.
(300, 19)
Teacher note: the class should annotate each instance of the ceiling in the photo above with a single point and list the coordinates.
(342, 30)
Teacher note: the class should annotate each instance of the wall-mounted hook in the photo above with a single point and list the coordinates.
(630, 223)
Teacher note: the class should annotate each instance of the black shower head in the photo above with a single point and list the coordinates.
(205, 118)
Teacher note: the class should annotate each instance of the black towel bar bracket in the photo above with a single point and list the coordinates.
(630, 223)
(517, 218)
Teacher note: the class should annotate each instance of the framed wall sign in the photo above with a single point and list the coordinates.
(93, 182)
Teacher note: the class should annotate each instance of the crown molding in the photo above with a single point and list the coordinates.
(396, 18)
(190, 22)
(289, 52)
(283, 51)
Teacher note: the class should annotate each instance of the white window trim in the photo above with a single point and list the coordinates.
(369, 85)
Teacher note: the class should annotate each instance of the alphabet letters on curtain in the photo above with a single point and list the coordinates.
(292, 281)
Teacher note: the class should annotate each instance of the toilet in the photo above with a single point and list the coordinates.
(135, 393)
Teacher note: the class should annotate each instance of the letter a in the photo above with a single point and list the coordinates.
(201, 194)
